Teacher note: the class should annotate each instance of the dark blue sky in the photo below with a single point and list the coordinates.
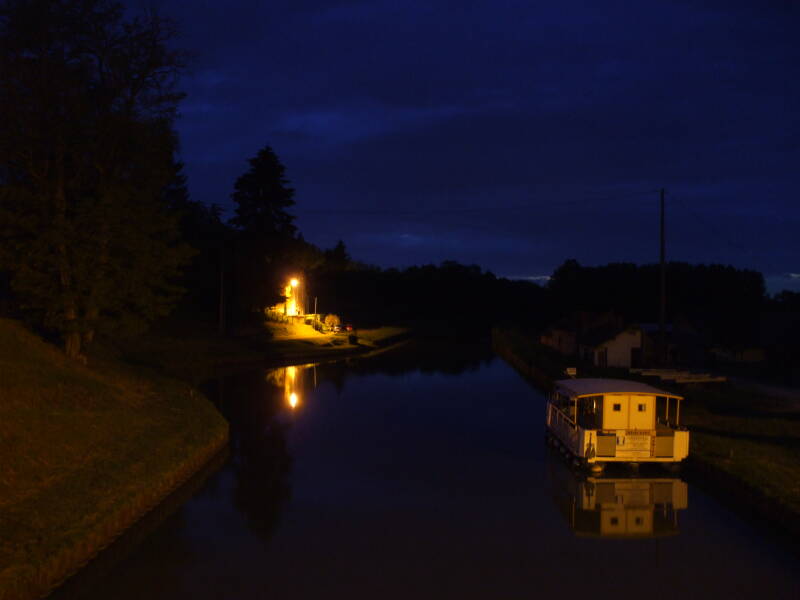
(513, 135)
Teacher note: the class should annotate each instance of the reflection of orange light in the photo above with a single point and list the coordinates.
(293, 400)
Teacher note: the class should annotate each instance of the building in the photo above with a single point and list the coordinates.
(564, 335)
(613, 346)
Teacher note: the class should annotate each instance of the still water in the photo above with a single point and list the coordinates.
(424, 474)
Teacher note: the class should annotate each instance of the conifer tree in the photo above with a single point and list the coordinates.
(262, 195)
(266, 239)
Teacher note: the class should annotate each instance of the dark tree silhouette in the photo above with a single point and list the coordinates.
(86, 146)
(262, 195)
(337, 258)
(266, 244)
(202, 227)
(719, 300)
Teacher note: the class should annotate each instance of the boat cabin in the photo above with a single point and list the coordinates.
(616, 420)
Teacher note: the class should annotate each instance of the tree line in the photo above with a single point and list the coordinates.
(98, 232)
(723, 301)
(88, 99)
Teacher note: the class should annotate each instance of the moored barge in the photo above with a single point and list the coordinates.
(601, 421)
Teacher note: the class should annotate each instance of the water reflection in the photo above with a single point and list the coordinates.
(618, 504)
(260, 460)
(427, 486)
(294, 381)
(426, 357)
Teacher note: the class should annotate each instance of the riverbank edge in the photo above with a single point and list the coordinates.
(731, 490)
(83, 580)
(48, 576)
(61, 567)
(198, 441)
(333, 353)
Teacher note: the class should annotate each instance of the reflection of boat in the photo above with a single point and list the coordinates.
(616, 420)
(619, 507)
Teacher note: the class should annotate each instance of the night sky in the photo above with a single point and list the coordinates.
(513, 135)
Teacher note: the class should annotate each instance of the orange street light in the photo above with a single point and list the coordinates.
(294, 282)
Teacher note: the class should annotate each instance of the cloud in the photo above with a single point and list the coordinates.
(346, 124)
(534, 278)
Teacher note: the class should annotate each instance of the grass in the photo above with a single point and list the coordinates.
(79, 446)
(380, 335)
(754, 438)
(193, 355)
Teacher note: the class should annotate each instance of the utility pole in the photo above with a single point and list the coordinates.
(663, 304)
(222, 289)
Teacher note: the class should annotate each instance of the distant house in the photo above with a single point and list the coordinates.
(613, 346)
(651, 336)
(565, 334)
(604, 339)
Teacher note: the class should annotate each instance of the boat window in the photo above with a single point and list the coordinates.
(642, 407)
(590, 409)
(663, 410)
(617, 407)
(591, 404)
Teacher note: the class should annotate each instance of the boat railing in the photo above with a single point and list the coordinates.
(562, 418)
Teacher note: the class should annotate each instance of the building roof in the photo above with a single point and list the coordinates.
(591, 386)
(600, 335)
(655, 327)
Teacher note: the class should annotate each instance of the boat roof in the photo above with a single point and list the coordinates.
(595, 386)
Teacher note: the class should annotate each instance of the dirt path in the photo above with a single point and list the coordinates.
(298, 331)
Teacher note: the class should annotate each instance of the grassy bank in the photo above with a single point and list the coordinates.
(743, 444)
(83, 453)
(751, 444)
(532, 360)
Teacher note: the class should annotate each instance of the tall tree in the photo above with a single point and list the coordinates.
(267, 240)
(262, 195)
(337, 258)
(86, 144)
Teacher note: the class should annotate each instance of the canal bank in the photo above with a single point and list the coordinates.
(417, 473)
(745, 448)
(84, 453)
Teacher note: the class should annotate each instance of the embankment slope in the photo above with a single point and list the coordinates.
(85, 452)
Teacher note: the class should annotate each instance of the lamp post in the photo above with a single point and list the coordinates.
(294, 283)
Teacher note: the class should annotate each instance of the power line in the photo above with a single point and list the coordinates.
(467, 209)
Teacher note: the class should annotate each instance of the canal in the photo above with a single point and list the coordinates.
(424, 474)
